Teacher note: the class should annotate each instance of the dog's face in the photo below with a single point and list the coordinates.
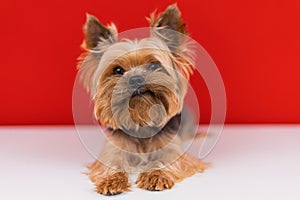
(139, 83)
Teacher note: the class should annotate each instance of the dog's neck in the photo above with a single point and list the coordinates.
(172, 126)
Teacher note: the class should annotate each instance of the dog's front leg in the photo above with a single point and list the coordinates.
(155, 180)
(108, 174)
(165, 176)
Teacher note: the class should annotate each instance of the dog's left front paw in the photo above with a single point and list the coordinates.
(155, 180)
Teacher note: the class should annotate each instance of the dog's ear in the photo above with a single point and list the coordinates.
(172, 19)
(95, 32)
(168, 26)
(97, 39)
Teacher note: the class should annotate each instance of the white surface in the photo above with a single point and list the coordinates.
(249, 162)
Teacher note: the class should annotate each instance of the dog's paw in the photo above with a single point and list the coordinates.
(154, 181)
(113, 184)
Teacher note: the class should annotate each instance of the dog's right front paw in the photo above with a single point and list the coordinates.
(113, 184)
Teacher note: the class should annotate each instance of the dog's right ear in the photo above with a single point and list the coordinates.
(96, 40)
(96, 32)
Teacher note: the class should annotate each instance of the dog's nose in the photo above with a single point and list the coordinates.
(136, 82)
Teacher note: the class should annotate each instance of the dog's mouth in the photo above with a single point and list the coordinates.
(144, 91)
(141, 91)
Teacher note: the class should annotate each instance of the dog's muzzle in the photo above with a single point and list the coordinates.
(136, 82)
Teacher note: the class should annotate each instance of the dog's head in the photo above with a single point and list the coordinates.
(137, 83)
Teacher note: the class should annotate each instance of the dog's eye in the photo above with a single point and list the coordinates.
(153, 66)
(119, 70)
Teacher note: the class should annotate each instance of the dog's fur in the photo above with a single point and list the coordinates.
(146, 126)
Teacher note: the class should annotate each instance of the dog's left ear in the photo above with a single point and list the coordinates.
(169, 26)
(172, 19)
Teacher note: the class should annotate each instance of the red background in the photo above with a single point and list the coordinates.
(255, 44)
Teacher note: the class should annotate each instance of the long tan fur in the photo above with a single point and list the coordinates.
(146, 129)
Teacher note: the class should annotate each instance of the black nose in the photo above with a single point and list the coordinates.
(136, 82)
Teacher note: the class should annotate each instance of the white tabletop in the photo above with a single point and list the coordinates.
(249, 162)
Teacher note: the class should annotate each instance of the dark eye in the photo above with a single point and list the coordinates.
(119, 70)
(153, 66)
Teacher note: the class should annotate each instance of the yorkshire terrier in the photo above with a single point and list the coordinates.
(138, 88)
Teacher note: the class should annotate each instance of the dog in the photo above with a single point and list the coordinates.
(138, 88)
